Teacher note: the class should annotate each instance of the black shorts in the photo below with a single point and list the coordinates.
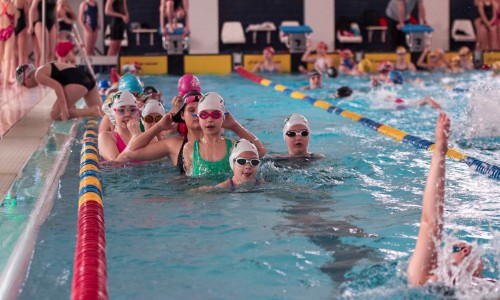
(117, 28)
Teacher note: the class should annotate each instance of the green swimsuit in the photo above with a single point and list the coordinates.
(202, 167)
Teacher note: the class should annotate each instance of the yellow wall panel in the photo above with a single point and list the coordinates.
(208, 64)
(250, 60)
(150, 65)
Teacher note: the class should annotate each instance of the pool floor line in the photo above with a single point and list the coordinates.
(14, 272)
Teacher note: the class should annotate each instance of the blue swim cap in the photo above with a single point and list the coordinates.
(130, 83)
(396, 77)
(104, 84)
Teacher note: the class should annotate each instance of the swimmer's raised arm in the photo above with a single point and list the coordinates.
(256, 67)
(428, 100)
(141, 148)
(233, 125)
(421, 60)
(424, 258)
(307, 57)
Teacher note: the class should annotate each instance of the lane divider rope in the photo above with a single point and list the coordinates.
(478, 165)
(89, 270)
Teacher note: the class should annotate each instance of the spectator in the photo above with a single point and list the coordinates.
(174, 10)
(398, 14)
(88, 16)
(488, 15)
(118, 11)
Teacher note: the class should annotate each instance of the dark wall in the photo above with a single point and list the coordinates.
(258, 11)
(461, 9)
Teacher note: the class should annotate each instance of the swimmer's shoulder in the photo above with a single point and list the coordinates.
(317, 155)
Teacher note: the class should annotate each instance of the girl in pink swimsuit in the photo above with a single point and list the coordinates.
(113, 143)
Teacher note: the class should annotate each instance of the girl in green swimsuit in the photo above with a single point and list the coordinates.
(210, 155)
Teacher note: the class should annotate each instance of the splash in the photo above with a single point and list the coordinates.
(482, 111)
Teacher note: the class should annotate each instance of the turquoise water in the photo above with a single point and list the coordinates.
(341, 227)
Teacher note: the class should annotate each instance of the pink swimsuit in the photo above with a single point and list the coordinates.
(120, 144)
(6, 33)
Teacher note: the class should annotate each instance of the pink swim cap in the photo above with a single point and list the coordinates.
(399, 100)
(188, 83)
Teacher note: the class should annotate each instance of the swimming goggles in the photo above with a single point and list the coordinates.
(137, 95)
(153, 95)
(457, 249)
(292, 133)
(216, 114)
(192, 96)
(121, 110)
(151, 119)
(242, 161)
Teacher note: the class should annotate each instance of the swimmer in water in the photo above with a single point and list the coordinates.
(384, 68)
(296, 133)
(209, 155)
(424, 261)
(244, 161)
(342, 92)
(126, 114)
(127, 83)
(152, 113)
(347, 63)
(315, 81)
(322, 62)
(268, 65)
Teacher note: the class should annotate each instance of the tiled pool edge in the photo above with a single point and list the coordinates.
(21, 141)
(14, 272)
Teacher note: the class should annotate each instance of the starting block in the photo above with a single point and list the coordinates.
(417, 37)
(297, 37)
(176, 42)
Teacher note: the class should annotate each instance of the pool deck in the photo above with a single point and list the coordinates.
(24, 123)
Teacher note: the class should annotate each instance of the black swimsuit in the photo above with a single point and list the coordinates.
(117, 26)
(72, 76)
(50, 13)
(488, 11)
(180, 157)
(401, 69)
(21, 22)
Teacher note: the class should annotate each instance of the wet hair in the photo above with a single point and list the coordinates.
(344, 92)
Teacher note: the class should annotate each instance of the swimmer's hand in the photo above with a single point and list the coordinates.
(176, 104)
(166, 122)
(134, 127)
(442, 132)
(229, 122)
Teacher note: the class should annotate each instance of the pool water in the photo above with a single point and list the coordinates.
(340, 227)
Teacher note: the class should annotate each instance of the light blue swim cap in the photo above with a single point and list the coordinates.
(130, 83)
(104, 84)
(396, 77)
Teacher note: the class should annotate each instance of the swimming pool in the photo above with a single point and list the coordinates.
(342, 227)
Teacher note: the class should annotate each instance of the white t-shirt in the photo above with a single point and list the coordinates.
(392, 9)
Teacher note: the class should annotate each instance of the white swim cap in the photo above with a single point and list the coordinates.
(211, 100)
(24, 71)
(240, 147)
(294, 119)
(153, 106)
(123, 98)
